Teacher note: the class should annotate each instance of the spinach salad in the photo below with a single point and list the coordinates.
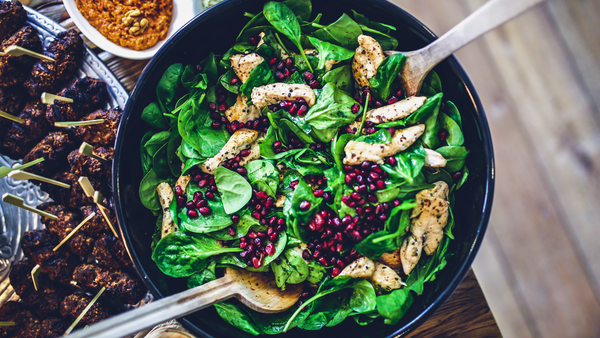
(296, 153)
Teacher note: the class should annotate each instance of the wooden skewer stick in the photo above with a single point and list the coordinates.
(7, 323)
(18, 51)
(23, 176)
(87, 308)
(18, 202)
(6, 170)
(78, 123)
(35, 272)
(74, 231)
(11, 117)
(48, 98)
(103, 207)
(87, 149)
(86, 185)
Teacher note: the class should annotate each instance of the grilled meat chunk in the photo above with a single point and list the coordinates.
(54, 148)
(67, 50)
(80, 244)
(385, 279)
(97, 226)
(18, 313)
(277, 92)
(82, 165)
(241, 112)
(360, 268)
(72, 306)
(111, 253)
(359, 152)
(244, 64)
(15, 69)
(367, 59)
(433, 159)
(103, 134)
(20, 138)
(12, 100)
(120, 286)
(165, 197)
(239, 141)
(53, 327)
(58, 265)
(45, 302)
(12, 16)
(87, 93)
(75, 196)
(395, 111)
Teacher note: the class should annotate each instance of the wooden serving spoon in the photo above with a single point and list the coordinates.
(255, 290)
(489, 16)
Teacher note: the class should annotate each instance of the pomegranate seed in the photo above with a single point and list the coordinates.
(309, 76)
(361, 188)
(235, 218)
(192, 214)
(231, 231)
(289, 62)
(392, 100)
(270, 230)
(180, 201)
(244, 152)
(374, 176)
(197, 196)
(178, 190)
(399, 93)
(209, 195)
(396, 202)
(443, 135)
(285, 104)
(294, 184)
(256, 214)
(252, 234)
(383, 217)
(205, 211)
(378, 104)
(391, 160)
(269, 203)
(380, 185)
(281, 222)
(261, 195)
(319, 221)
(261, 234)
(201, 203)
(286, 72)
(273, 61)
(319, 193)
(280, 65)
(258, 242)
(317, 253)
(346, 200)
(302, 110)
(270, 249)
(223, 107)
(242, 171)
(323, 261)
(372, 198)
(335, 272)
(313, 84)
(243, 245)
(190, 205)
(305, 205)
(234, 80)
(355, 196)
(294, 108)
(256, 262)
(277, 145)
(355, 108)
(457, 175)
(306, 255)
(273, 237)
(212, 106)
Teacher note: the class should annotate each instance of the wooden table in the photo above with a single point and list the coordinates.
(465, 314)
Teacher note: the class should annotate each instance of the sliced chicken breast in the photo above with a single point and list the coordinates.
(391, 259)
(165, 197)
(367, 59)
(274, 93)
(244, 64)
(395, 111)
(240, 140)
(358, 152)
(254, 152)
(433, 159)
(241, 112)
(385, 279)
(410, 252)
(360, 268)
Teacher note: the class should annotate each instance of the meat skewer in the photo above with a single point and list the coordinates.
(54, 148)
(72, 306)
(45, 301)
(15, 69)
(87, 94)
(75, 196)
(22, 137)
(18, 313)
(12, 101)
(12, 16)
(110, 252)
(103, 134)
(119, 285)
(58, 265)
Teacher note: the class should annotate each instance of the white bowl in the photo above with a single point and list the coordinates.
(183, 11)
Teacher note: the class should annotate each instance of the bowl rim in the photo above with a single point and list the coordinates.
(478, 114)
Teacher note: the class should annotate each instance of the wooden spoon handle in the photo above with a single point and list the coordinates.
(162, 310)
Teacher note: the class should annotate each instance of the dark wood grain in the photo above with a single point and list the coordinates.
(465, 314)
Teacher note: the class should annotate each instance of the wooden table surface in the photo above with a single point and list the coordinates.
(465, 314)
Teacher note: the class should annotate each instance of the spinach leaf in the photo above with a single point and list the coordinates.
(191, 80)
(428, 267)
(431, 135)
(209, 67)
(230, 260)
(237, 317)
(259, 76)
(217, 220)
(387, 73)
(182, 255)
(463, 179)
(363, 20)
(382, 136)
(316, 272)
(266, 144)
(147, 191)
(410, 162)
(156, 142)
(203, 277)
(235, 191)
(455, 135)
(145, 157)
(390, 239)
(431, 85)
(306, 161)
(295, 218)
(225, 81)
(160, 163)
(301, 8)
(241, 228)
(338, 149)
(455, 157)
(329, 51)
(343, 32)
(166, 91)
(393, 306)
(172, 146)
(264, 176)
(440, 175)
(453, 112)
(332, 109)
(343, 310)
(291, 269)
(363, 297)
(341, 77)
(279, 244)
(154, 117)
(428, 109)
(323, 313)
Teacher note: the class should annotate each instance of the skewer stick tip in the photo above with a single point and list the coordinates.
(35, 272)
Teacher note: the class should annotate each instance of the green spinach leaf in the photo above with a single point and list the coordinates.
(264, 176)
(394, 306)
(343, 32)
(154, 117)
(235, 191)
(147, 191)
(329, 51)
(455, 157)
(166, 91)
(387, 73)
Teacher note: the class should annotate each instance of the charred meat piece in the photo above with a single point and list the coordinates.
(80, 243)
(54, 148)
(45, 302)
(66, 50)
(22, 137)
(16, 312)
(73, 197)
(58, 265)
(103, 134)
(15, 69)
(97, 226)
(12, 16)
(83, 165)
(120, 286)
(72, 306)
(87, 93)
(111, 253)
(53, 327)
(12, 101)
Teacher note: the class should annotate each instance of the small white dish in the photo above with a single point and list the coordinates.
(183, 11)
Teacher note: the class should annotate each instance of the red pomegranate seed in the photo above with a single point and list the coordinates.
(178, 190)
(355, 196)
(399, 93)
(256, 214)
(279, 76)
(180, 201)
(380, 185)
(319, 193)
(242, 171)
(192, 214)
(392, 100)
(269, 202)
(205, 211)
(306, 255)
(261, 234)
(201, 203)
(222, 107)
(372, 198)
(323, 261)
(190, 205)
(319, 221)
(252, 234)
(234, 80)
(261, 195)
(289, 62)
(273, 237)
(273, 61)
(231, 231)
(209, 195)
(294, 108)
(355, 108)
(304, 205)
(253, 40)
(243, 244)
(235, 218)
(212, 106)
(457, 175)
(302, 110)
(443, 135)
(309, 76)
(270, 249)
(396, 202)
(256, 262)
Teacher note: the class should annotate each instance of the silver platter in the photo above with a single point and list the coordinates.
(16, 221)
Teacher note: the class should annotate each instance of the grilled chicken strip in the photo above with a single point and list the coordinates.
(103, 134)
(20, 138)
(360, 268)
(87, 93)
(15, 69)
(277, 92)
(367, 59)
(241, 112)
(358, 152)
(165, 196)
(12, 16)
(244, 64)
(433, 159)
(54, 148)
(67, 50)
(385, 279)
(395, 111)
(240, 140)
(429, 218)
(254, 152)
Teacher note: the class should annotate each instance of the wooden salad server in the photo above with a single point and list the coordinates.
(489, 16)
(256, 290)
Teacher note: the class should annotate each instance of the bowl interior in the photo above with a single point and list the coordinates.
(215, 31)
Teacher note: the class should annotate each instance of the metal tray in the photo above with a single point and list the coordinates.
(15, 221)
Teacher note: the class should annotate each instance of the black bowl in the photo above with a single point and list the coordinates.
(215, 31)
